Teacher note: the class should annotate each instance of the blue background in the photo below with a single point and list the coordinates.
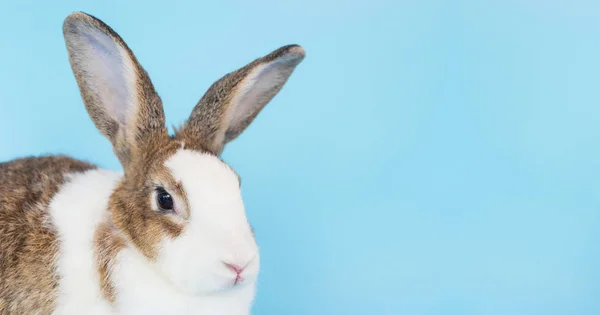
(427, 157)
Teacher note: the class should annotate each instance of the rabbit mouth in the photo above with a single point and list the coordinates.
(238, 279)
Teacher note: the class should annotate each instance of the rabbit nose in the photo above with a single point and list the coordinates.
(235, 268)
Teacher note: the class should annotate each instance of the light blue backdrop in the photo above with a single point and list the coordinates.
(427, 157)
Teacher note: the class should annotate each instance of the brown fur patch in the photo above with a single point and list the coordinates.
(130, 203)
(107, 242)
(28, 242)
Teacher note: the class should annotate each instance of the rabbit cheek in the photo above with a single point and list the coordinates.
(186, 262)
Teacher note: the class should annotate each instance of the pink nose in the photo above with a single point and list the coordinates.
(235, 268)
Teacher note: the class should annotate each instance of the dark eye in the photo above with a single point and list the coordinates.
(164, 200)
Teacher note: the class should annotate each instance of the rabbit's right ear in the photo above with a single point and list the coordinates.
(116, 90)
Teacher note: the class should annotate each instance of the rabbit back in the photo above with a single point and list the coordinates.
(29, 243)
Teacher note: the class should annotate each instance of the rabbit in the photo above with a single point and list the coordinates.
(169, 233)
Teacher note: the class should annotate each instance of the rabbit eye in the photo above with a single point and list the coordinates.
(164, 200)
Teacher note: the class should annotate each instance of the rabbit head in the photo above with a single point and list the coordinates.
(178, 204)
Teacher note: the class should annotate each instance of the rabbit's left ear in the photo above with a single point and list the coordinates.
(232, 103)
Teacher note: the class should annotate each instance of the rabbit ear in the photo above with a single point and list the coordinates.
(232, 103)
(116, 90)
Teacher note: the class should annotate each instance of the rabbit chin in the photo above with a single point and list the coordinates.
(219, 284)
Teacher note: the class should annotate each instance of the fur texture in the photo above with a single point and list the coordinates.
(76, 239)
(28, 239)
(76, 211)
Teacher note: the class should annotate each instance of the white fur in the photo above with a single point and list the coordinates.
(218, 230)
(141, 290)
(76, 210)
(189, 276)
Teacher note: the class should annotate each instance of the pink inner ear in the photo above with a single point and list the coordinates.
(258, 86)
(107, 70)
